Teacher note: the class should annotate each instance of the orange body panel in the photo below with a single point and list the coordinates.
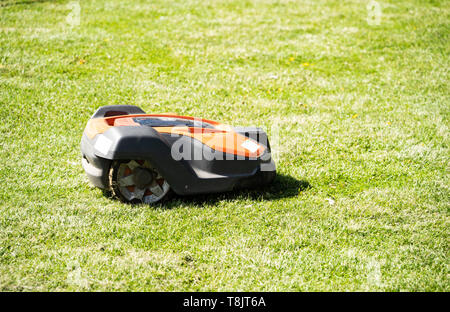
(225, 141)
(221, 138)
(96, 126)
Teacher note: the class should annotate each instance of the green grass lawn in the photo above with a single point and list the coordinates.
(357, 110)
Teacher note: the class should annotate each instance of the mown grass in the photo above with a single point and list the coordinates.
(358, 114)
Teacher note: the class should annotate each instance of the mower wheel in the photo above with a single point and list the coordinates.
(137, 181)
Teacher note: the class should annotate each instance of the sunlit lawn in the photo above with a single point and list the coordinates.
(356, 106)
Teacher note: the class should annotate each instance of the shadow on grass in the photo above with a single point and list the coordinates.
(282, 187)
(20, 2)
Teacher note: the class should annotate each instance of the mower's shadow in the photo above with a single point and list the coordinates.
(283, 186)
(20, 2)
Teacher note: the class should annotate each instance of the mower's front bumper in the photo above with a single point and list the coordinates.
(96, 168)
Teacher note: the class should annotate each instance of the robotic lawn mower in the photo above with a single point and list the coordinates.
(140, 157)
